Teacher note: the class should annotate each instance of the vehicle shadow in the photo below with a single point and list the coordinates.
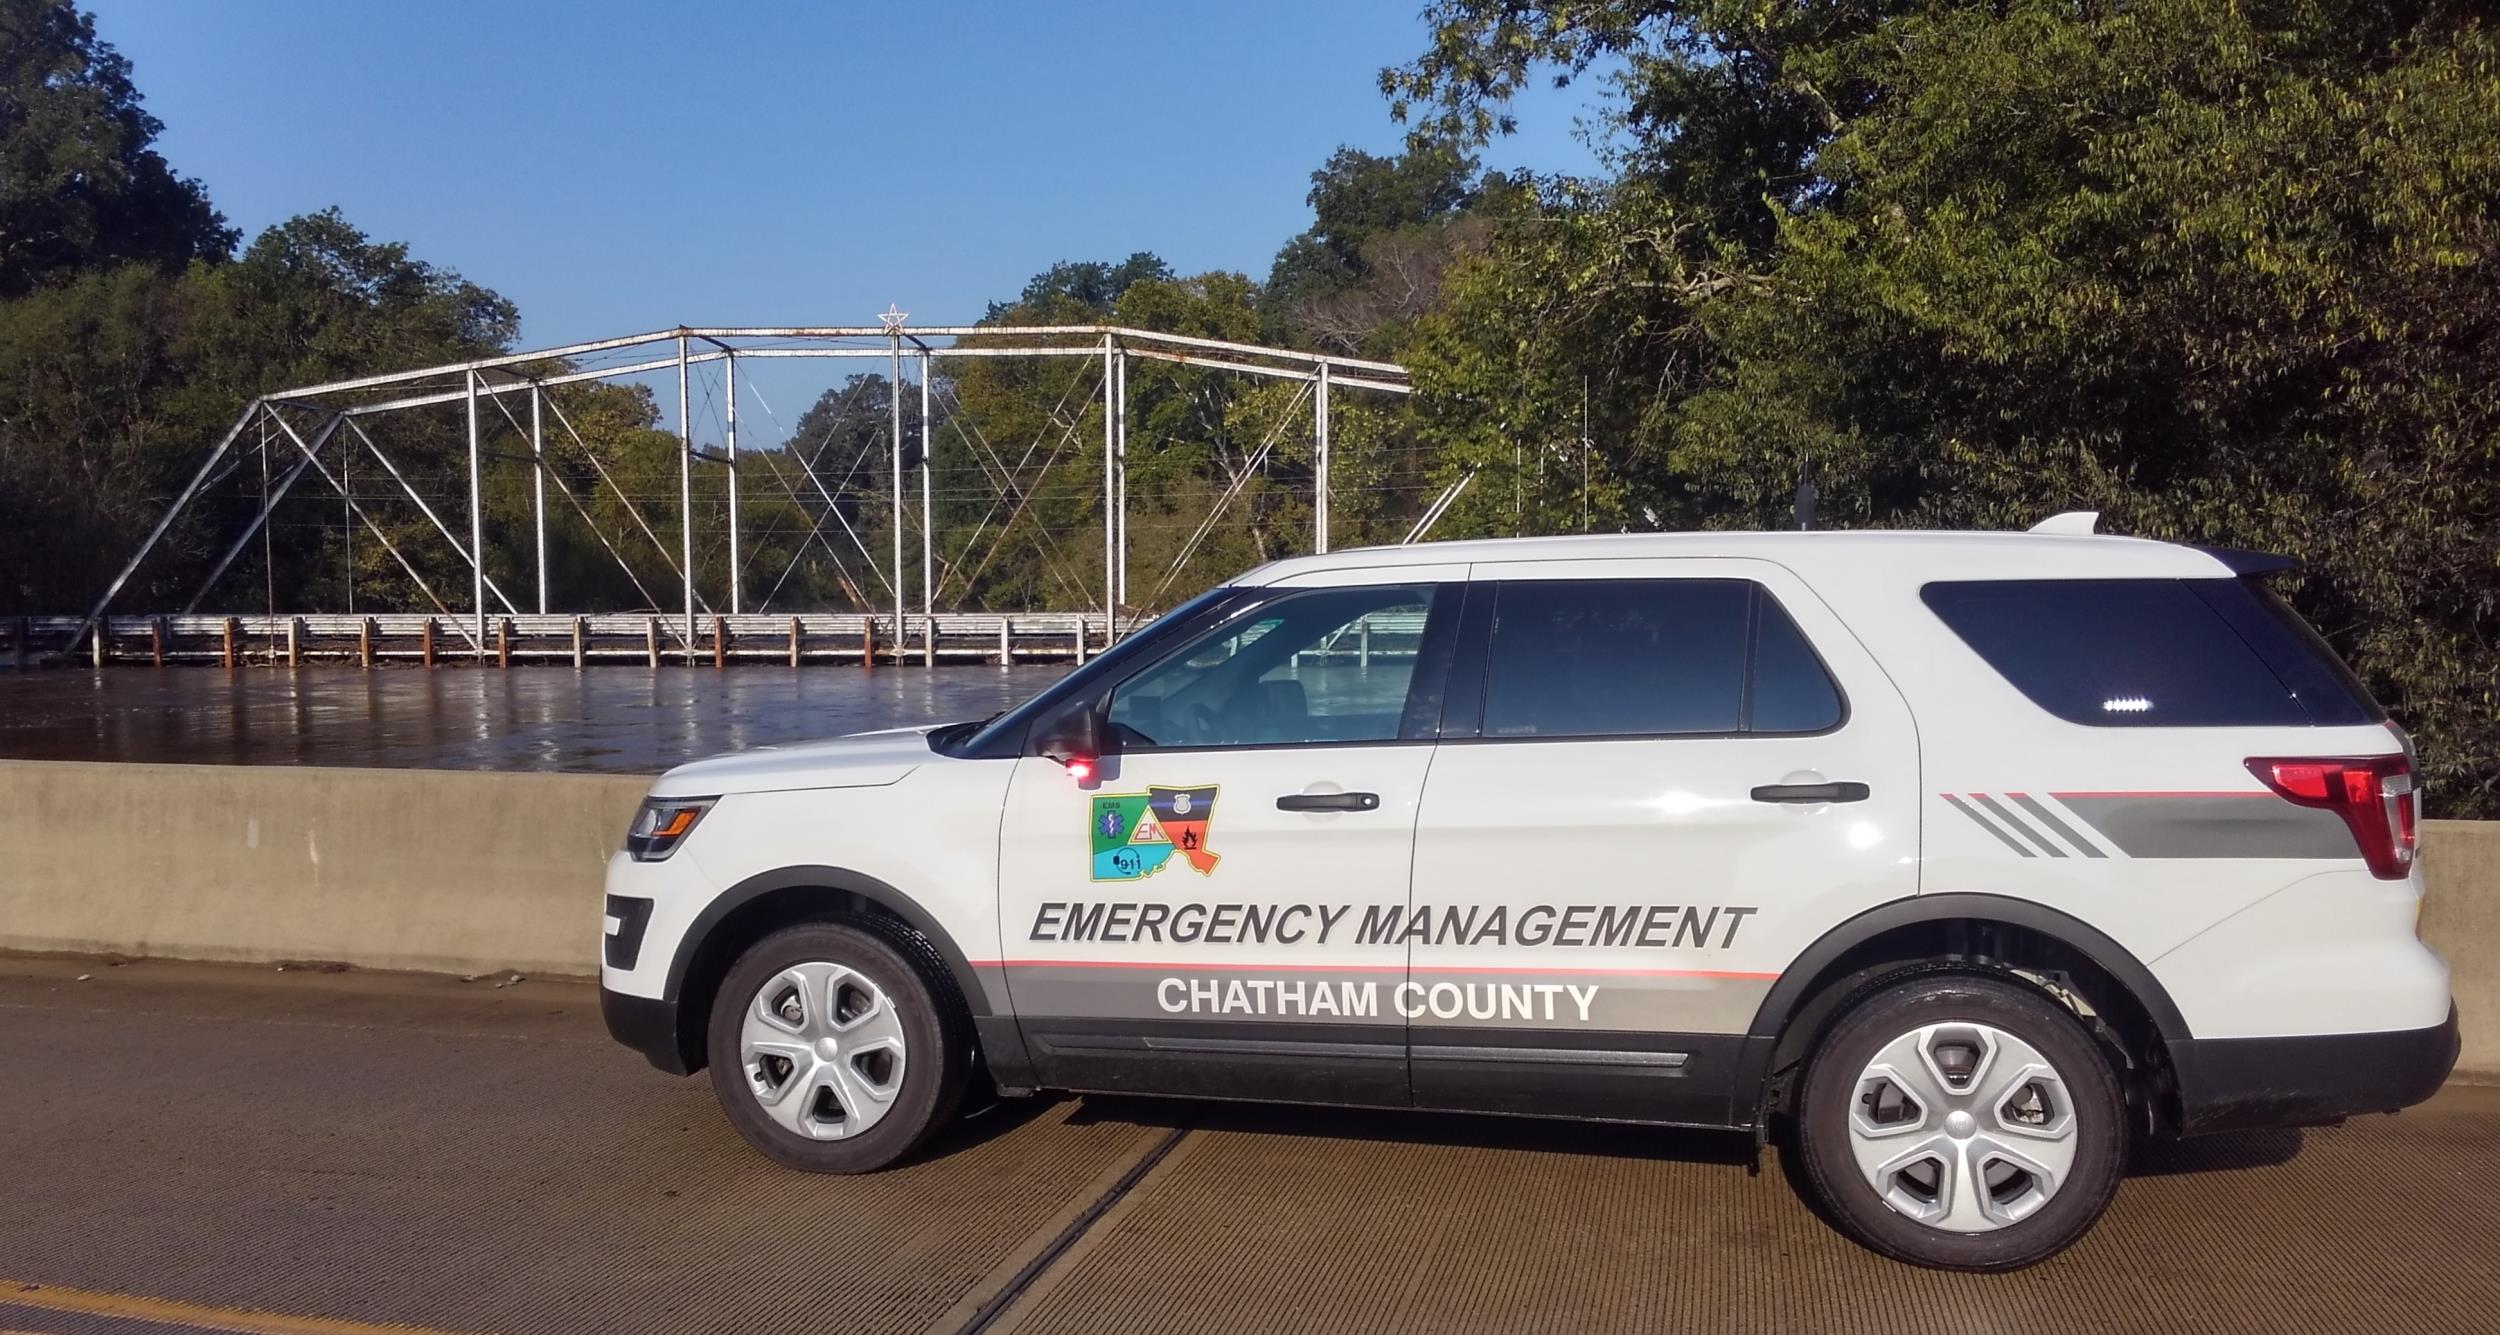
(2224, 1153)
(2227, 1152)
(1465, 1130)
(984, 1117)
(2236, 1151)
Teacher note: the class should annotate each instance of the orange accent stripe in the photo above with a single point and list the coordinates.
(1210, 966)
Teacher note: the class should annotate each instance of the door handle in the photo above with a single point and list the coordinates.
(1811, 792)
(1328, 802)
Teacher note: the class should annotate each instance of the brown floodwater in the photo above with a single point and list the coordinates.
(607, 719)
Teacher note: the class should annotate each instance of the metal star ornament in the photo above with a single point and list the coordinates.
(893, 318)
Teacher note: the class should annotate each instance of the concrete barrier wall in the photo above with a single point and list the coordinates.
(463, 872)
(2461, 920)
(436, 870)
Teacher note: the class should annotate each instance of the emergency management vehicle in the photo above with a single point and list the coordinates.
(1965, 858)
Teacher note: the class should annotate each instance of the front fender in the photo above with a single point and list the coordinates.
(868, 890)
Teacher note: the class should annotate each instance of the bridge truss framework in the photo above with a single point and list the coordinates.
(328, 411)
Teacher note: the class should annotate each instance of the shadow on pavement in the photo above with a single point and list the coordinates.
(981, 1121)
(2229, 1152)
(1534, 1135)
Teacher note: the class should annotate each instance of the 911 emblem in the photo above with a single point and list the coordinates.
(1135, 834)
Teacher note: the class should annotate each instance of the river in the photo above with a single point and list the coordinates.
(615, 720)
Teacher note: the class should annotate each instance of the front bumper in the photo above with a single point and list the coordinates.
(2231, 1084)
(648, 1025)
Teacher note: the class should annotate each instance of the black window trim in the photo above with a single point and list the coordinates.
(1462, 698)
(1480, 643)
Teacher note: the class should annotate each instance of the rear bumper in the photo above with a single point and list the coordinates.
(648, 1025)
(2230, 1084)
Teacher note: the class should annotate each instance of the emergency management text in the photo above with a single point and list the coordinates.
(1645, 926)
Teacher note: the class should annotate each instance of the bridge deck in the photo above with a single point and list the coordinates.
(583, 638)
(634, 637)
(196, 1147)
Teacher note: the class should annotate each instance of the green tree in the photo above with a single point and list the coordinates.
(80, 186)
(1072, 288)
(2223, 270)
(1385, 231)
(120, 379)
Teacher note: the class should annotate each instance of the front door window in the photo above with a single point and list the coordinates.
(1322, 666)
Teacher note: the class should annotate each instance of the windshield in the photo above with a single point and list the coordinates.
(998, 732)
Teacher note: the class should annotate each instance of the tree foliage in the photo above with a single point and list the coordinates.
(80, 186)
(120, 377)
(2224, 271)
(1078, 289)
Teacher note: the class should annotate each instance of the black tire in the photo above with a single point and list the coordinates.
(937, 1048)
(1825, 1103)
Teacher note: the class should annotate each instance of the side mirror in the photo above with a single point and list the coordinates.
(1071, 735)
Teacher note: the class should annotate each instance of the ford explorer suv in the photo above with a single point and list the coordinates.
(1960, 859)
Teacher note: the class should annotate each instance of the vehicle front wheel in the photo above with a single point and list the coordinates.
(1963, 1122)
(831, 1053)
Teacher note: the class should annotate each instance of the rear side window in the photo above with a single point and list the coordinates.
(2154, 653)
(1647, 658)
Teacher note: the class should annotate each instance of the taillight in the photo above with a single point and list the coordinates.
(2374, 795)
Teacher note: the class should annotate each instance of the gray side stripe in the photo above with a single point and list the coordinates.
(1549, 1056)
(2018, 823)
(2195, 825)
(1984, 823)
(1244, 1047)
(2059, 827)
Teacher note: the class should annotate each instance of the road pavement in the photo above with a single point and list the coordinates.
(197, 1147)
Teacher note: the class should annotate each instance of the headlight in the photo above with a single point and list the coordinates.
(663, 824)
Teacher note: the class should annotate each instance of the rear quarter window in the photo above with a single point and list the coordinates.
(2157, 653)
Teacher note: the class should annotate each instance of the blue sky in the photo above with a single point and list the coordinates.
(618, 166)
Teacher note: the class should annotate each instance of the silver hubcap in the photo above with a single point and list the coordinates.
(823, 1050)
(1962, 1127)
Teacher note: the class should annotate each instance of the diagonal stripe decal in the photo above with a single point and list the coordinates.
(1984, 823)
(1997, 809)
(2058, 827)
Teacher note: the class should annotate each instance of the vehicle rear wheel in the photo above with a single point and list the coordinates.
(831, 1053)
(1962, 1122)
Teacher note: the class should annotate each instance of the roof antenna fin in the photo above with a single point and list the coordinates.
(2072, 522)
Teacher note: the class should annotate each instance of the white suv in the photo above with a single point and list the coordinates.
(1963, 855)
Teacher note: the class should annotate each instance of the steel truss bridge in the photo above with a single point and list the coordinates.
(314, 429)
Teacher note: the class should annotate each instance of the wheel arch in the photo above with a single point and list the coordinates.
(764, 903)
(1988, 930)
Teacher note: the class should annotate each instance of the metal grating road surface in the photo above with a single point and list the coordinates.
(192, 1147)
(1318, 1222)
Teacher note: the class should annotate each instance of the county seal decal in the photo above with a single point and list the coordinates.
(1135, 834)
